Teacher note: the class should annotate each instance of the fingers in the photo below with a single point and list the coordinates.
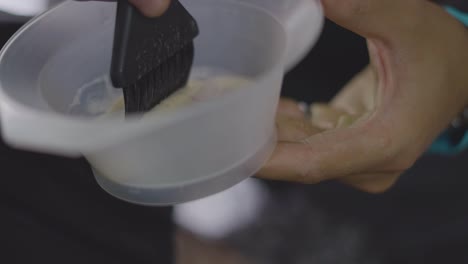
(290, 129)
(331, 154)
(402, 110)
(306, 153)
(287, 164)
(151, 8)
(291, 122)
(359, 95)
(280, 168)
(325, 116)
(291, 108)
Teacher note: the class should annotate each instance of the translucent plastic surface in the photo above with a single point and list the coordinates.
(163, 159)
(302, 20)
(99, 98)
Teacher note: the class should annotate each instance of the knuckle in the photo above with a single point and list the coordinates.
(307, 177)
(403, 163)
(310, 174)
(312, 178)
(377, 189)
(380, 187)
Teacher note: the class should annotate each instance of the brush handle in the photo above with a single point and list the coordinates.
(142, 43)
(301, 19)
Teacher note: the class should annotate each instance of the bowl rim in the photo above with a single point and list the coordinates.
(11, 109)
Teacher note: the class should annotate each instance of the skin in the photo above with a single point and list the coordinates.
(150, 8)
(388, 115)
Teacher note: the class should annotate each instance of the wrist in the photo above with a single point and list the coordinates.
(458, 14)
(455, 138)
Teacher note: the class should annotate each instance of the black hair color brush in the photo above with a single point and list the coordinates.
(152, 57)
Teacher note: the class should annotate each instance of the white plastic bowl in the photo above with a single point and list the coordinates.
(164, 159)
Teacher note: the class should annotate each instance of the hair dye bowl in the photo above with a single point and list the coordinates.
(204, 139)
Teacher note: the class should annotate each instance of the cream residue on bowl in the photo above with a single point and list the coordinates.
(99, 98)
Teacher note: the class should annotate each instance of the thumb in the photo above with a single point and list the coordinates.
(373, 18)
(151, 8)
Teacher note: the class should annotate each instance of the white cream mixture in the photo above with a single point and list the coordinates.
(204, 84)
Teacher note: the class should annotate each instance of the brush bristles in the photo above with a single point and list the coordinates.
(159, 83)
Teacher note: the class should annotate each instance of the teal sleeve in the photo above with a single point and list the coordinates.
(443, 144)
(463, 17)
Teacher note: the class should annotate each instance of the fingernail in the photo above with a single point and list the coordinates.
(305, 108)
(151, 8)
(345, 121)
(302, 106)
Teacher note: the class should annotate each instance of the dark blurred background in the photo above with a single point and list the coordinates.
(52, 211)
